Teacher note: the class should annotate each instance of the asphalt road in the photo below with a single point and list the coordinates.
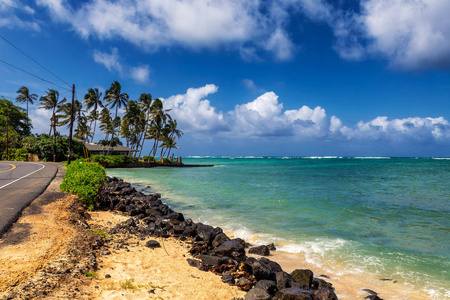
(20, 184)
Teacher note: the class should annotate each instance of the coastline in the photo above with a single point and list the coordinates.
(349, 285)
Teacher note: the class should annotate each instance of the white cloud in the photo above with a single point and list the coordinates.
(193, 112)
(250, 84)
(9, 19)
(140, 74)
(412, 34)
(280, 44)
(111, 61)
(40, 119)
(264, 117)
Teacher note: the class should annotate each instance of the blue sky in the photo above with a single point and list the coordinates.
(280, 77)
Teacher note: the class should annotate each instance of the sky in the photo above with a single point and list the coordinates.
(253, 77)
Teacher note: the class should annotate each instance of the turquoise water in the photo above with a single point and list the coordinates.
(386, 216)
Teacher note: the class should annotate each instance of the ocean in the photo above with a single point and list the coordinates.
(373, 218)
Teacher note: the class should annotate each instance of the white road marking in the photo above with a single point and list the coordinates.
(23, 176)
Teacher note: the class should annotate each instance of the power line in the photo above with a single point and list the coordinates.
(34, 60)
(33, 75)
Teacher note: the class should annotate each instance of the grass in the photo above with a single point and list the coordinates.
(91, 274)
(98, 232)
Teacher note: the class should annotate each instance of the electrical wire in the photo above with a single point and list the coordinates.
(33, 60)
(34, 75)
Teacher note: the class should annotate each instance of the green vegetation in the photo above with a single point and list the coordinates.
(148, 158)
(92, 274)
(113, 161)
(14, 128)
(143, 119)
(98, 232)
(84, 179)
(128, 285)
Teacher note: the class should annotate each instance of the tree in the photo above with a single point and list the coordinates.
(168, 144)
(133, 124)
(92, 100)
(15, 126)
(51, 101)
(115, 98)
(106, 122)
(145, 101)
(158, 117)
(25, 96)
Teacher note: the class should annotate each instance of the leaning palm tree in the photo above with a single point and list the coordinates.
(92, 100)
(115, 98)
(168, 144)
(65, 112)
(50, 101)
(174, 131)
(158, 118)
(25, 96)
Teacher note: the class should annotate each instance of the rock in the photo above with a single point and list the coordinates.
(369, 292)
(272, 247)
(176, 216)
(195, 263)
(257, 294)
(204, 232)
(258, 269)
(130, 222)
(105, 251)
(228, 279)
(304, 277)
(326, 294)
(107, 276)
(318, 284)
(232, 248)
(152, 244)
(293, 294)
(260, 250)
(267, 285)
(220, 239)
(271, 265)
(210, 260)
(283, 280)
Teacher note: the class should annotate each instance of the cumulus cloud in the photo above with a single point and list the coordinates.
(195, 113)
(265, 117)
(112, 62)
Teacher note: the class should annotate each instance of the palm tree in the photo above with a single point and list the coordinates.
(158, 117)
(92, 100)
(106, 122)
(82, 131)
(65, 111)
(115, 98)
(133, 124)
(25, 96)
(50, 101)
(174, 131)
(169, 144)
(145, 101)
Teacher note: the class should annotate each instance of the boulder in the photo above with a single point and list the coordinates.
(195, 263)
(271, 265)
(283, 280)
(272, 247)
(232, 248)
(257, 294)
(326, 294)
(293, 294)
(304, 277)
(228, 279)
(258, 269)
(267, 285)
(210, 260)
(220, 239)
(204, 232)
(372, 297)
(318, 284)
(260, 250)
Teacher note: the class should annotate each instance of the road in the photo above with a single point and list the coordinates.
(20, 184)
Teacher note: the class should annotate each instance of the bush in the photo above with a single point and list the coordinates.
(148, 158)
(84, 180)
(167, 161)
(113, 161)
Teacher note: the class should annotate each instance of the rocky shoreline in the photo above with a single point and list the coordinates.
(211, 249)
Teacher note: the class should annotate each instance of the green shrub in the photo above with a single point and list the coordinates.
(148, 158)
(84, 180)
(113, 161)
(167, 161)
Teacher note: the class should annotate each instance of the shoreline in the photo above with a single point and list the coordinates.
(211, 248)
(348, 284)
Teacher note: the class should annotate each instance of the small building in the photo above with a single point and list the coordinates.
(96, 149)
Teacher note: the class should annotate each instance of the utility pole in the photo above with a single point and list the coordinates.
(69, 152)
(7, 129)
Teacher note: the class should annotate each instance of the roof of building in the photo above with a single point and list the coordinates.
(97, 147)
